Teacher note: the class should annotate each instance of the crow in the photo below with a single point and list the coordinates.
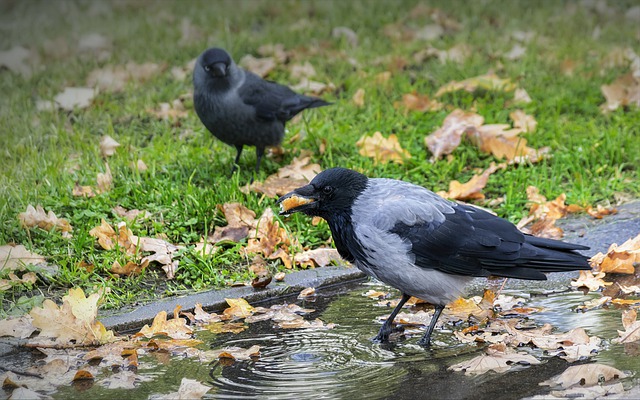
(421, 244)
(240, 108)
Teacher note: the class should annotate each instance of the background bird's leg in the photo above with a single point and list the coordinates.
(426, 339)
(259, 154)
(237, 160)
(385, 330)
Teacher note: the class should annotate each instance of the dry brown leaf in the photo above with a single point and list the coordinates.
(288, 178)
(418, 102)
(279, 276)
(173, 111)
(268, 235)
(83, 191)
(521, 96)
(382, 149)
(108, 146)
(189, 389)
(259, 66)
(307, 292)
(130, 268)
(585, 375)
(523, 121)
(299, 71)
(236, 353)
(38, 217)
(225, 327)
(358, 98)
(317, 257)
(240, 220)
(498, 358)
(489, 81)
(623, 92)
(175, 328)
(618, 259)
(75, 97)
(130, 214)
(479, 308)
(631, 326)
(16, 257)
(447, 138)
(313, 87)
(115, 78)
(472, 189)
(503, 142)
(591, 280)
(18, 327)
(73, 322)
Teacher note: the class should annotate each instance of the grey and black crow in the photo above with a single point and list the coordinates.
(423, 245)
(239, 107)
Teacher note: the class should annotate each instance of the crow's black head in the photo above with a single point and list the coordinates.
(215, 62)
(330, 193)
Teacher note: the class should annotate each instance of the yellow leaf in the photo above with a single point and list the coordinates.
(382, 149)
(238, 308)
(488, 81)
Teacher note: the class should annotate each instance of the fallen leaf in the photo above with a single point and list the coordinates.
(299, 71)
(591, 280)
(523, 121)
(348, 34)
(240, 220)
(503, 142)
(418, 102)
(313, 87)
(238, 308)
(189, 389)
(83, 191)
(279, 276)
(175, 328)
(17, 257)
(317, 257)
(115, 78)
(104, 180)
(447, 138)
(75, 97)
(472, 189)
(498, 358)
(108, 146)
(131, 215)
(99, 46)
(307, 292)
(276, 51)
(267, 236)
(618, 259)
(18, 327)
(225, 327)
(236, 353)
(516, 52)
(358, 98)
(631, 326)
(130, 268)
(488, 81)
(521, 96)
(298, 173)
(585, 375)
(382, 149)
(17, 60)
(38, 217)
(623, 92)
(172, 112)
(259, 66)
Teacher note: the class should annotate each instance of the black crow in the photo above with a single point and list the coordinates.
(239, 107)
(421, 244)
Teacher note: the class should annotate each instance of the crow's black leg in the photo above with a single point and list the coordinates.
(426, 339)
(237, 160)
(385, 330)
(259, 154)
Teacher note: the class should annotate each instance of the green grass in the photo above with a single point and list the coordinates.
(43, 154)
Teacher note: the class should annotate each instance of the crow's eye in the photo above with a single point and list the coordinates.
(207, 68)
(327, 190)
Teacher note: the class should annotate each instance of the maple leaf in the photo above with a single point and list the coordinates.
(298, 173)
(382, 149)
(16, 257)
(472, 189)
(418, 102)
(38, 217)
(447, 138)
(489, 81)
(618, 259)
(74, 321)
(498, 358)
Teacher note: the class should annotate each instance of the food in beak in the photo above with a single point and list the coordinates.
(293, 202)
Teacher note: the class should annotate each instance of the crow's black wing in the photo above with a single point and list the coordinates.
(474, 242)
(273, 101)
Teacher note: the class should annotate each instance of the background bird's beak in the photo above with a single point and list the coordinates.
(300, 199)
(219, 69)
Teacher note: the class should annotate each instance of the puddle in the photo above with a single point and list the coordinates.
(342, 363)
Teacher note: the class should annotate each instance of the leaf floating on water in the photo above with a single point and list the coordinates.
(585, 375)
(498, 358)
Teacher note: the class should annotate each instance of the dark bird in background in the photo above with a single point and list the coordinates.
(239, 107)
(421, 244)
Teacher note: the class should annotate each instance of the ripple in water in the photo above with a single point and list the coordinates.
(318, 364)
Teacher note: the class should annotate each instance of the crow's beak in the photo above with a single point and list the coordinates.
(300, 200)
(219, 69)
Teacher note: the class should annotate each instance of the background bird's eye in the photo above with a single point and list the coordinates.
(327, 189)
(207, 68)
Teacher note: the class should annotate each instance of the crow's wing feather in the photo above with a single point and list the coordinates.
(273, 101)
(474, 242)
